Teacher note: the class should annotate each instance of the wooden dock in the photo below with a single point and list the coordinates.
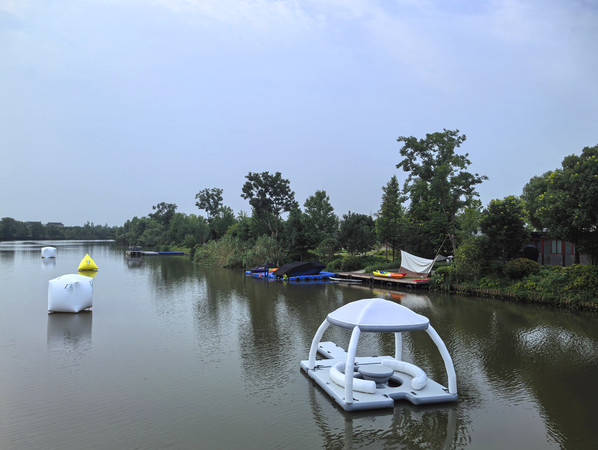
(409, 282)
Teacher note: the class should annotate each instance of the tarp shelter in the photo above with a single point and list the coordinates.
(299, 268)
(48, 252)
(70, 293)
(415, 266)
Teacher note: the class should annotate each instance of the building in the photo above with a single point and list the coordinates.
(555, 252)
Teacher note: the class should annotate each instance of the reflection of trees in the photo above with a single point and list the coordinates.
(528, 354)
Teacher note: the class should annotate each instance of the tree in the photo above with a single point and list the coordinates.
(221, 221)
(320, 220)
(503, 222)
(438, 176)
(270, 196)
(296, 238)
(164, 212)
(569, 206)
(209, 200)
(532, 192)
(357, 232)
(389, 224)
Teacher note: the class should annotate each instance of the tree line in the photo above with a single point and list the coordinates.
(436, 211)
(14, 230)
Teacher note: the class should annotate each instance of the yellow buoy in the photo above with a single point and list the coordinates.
(87, 264)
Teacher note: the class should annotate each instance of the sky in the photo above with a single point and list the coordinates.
(108, 107)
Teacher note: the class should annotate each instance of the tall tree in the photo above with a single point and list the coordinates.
(209, 200)
(320, 220)
(389, 224)
(437, 174)
(164, 212)
(269, 196)
(503, 222)
(532, 193)
(569, 207)
(357, 232)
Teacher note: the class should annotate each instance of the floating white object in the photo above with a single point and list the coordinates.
(376, 381)
(70, 293)
(87, 264)
(48, 252)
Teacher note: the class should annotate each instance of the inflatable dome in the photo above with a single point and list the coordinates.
(70, 293)
(48, 252)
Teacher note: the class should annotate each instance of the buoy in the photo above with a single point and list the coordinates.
(87, 264)
(70, 293)
(48, 252)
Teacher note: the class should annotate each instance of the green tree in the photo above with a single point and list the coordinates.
(164, 212)
(532, 193)
(438, 175)
(296, 238)
(357, 233)
(221, 221)
(503, 222)
(8, 228)
(209, 200)
(390, 221)
(569, 207)
(320, 220)
(269, 196)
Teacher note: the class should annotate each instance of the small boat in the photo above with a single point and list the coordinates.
(299, 268)
(383, 273)
(375, 382)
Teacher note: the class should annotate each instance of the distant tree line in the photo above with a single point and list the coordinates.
(12, 229)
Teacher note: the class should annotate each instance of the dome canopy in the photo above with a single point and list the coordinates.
(376, 314)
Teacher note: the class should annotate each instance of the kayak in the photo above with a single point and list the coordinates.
(383, 273)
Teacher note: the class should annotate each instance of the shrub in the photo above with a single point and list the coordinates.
(519, 268)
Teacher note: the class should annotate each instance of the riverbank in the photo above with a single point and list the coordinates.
(574, 287)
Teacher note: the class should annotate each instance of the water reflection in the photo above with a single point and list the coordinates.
(48, 263)
(404, 426)
(70, 334)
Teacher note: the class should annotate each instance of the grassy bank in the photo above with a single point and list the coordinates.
(522, 280)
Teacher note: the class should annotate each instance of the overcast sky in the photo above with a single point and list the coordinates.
(108, 107)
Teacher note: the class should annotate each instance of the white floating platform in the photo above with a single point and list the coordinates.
(398, 387)
(375, 382)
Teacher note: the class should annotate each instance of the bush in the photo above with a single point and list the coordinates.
(519, 268)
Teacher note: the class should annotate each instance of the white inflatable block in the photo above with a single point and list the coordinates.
(70, 293)
(48, 252)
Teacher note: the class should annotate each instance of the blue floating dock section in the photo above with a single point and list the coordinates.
(322, 276)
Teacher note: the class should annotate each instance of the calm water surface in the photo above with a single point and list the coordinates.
(174, 355)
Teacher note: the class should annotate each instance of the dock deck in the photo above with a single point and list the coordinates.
(372, 279)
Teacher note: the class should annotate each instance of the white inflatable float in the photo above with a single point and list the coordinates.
(70, 293)
(376, 381)
(48, 252)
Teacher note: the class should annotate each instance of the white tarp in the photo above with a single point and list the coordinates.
(415, 264)
(48, 252)
(70, 293)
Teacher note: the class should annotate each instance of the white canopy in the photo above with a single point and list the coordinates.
(376, 314)
(415, 265)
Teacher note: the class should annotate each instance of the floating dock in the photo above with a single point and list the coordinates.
(372, 279)
(136, 251)
(322, 276)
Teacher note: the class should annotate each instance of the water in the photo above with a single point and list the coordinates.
(174, 355)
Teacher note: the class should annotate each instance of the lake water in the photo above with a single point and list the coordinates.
(175, 355)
